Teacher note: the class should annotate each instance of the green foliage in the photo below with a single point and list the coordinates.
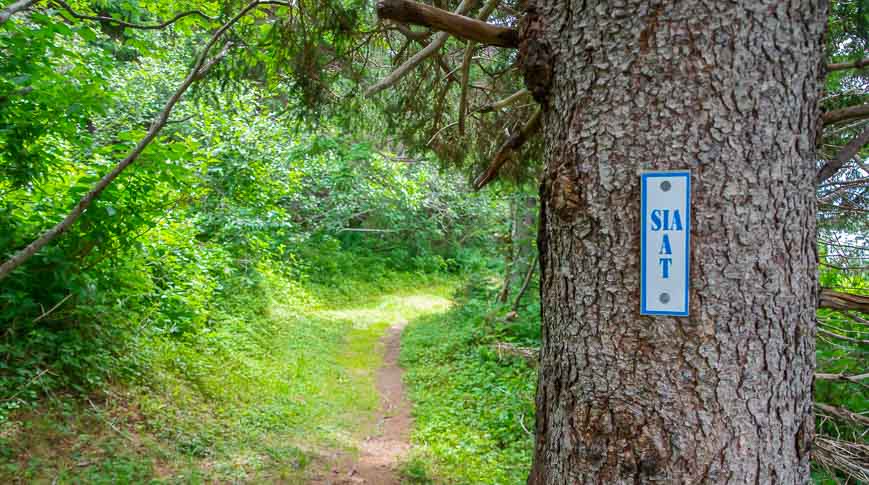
(473, 409)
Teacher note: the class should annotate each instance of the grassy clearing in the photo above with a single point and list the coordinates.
(283, 376)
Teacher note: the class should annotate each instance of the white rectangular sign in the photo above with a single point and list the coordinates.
(665, 209)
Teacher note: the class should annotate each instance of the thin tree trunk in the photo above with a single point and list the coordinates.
(728, 90)
(504, 294)
(525, 283)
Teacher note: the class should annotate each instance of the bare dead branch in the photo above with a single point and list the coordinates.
(456, 24)
(851, 459)
(14, 8)
(424, 53)
(412, 34)
(159, 122)
(511, 145)
(845, 114)
(501, 104)
(836, 300)
(841, 413)
(848, 65)
(855, 379)
(528, 354)
(122, 23)
(845, 154)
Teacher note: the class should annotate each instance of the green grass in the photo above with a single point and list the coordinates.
(283, 376)
(471, 407)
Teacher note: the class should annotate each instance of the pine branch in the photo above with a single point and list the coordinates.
(858, 64)
(845, 154)
(836, 300)
(845, 114)
(402, 70)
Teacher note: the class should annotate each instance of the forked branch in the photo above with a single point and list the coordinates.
(408, 65)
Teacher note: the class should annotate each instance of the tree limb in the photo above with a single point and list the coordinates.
(845, 154)
(14, 8)
(848, 65)
(511, 145)
(836, 300)
(844, 114)
(402, 70)
(856, 379)
(503, 103)
(159, 122)
(123, 23)
(456, 24)
(842, 413)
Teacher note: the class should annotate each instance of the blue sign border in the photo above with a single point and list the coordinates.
(644, 178)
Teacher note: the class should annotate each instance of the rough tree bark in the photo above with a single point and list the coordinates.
(728, 90)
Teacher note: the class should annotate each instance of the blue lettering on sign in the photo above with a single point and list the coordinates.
(662, 220)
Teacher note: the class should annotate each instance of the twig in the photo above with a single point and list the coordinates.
(123, 23)
(52, 309)
(525, 283)
(501, 104)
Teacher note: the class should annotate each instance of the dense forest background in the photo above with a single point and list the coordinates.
(184, 328)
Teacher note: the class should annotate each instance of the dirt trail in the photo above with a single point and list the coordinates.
(381, 453)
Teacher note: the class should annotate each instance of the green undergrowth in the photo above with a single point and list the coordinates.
(283, 377)
(474, 409)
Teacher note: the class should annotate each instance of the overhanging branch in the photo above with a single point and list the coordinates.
(409, 12)
(402, 70)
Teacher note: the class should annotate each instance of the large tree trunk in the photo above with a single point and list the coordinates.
(728, 90)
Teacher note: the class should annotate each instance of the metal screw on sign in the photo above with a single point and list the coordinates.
(665, 298)
(665, 186)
